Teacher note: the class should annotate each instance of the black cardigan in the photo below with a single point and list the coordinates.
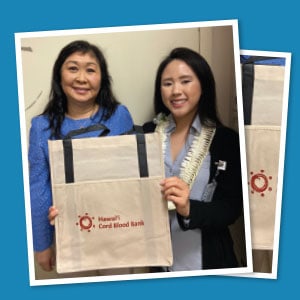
(213, 218)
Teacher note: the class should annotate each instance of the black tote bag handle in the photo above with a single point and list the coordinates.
(91, 128)
(141, 149)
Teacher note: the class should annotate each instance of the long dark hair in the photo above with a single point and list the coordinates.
(57, 105)
(207, 105)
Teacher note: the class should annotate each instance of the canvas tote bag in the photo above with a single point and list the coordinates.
(111, 210)
(263, 84)
(263, 144)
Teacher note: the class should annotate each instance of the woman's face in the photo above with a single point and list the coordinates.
(180, 90)
(81, 78)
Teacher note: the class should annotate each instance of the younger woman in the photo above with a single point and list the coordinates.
(202, 163)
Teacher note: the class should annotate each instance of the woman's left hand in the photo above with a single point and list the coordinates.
(176, 190)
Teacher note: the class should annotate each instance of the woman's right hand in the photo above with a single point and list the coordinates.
(53, 212)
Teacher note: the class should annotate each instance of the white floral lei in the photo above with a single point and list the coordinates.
(197, 152)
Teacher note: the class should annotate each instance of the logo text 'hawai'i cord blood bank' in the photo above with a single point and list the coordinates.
(87, 222)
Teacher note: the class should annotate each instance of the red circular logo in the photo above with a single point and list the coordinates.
(85, 222)
(259, 182)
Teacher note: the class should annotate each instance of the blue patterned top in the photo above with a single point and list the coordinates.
(39, 172)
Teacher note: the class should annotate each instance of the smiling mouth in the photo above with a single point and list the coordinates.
(177, 103)
(80, 90)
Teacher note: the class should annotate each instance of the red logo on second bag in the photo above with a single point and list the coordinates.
(259, 183)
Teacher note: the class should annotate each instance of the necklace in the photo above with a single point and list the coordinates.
(192, 162)
(196, 154)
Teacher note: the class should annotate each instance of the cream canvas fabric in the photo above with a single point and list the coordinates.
(110, 216)
(262, 145)
(267, 95)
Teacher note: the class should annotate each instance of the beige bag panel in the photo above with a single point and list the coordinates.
(106, 158)
(267, 95)
(263, 144)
